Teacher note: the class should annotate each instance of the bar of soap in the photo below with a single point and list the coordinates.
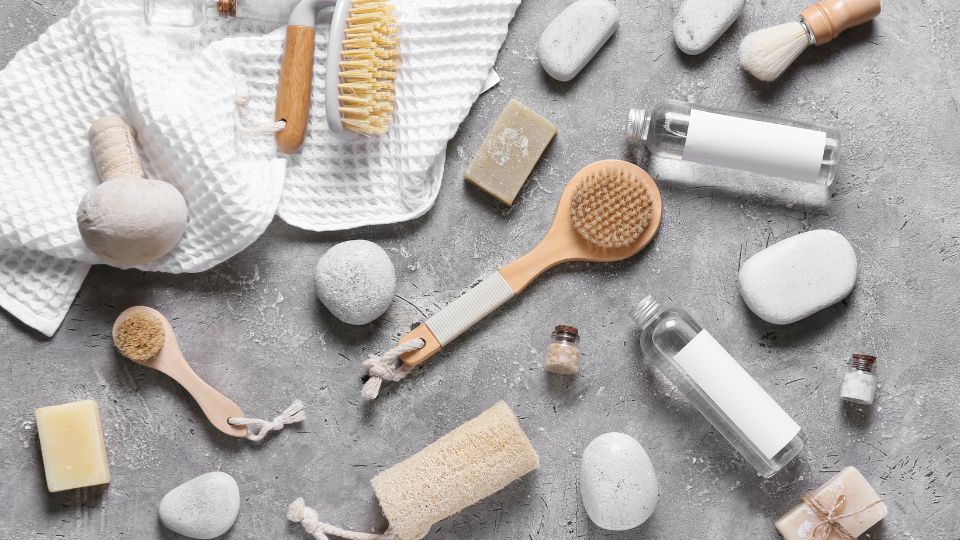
(574, 37)
(71, 442)
(859, 499)
(510, 151)
(700, 23)
(799, 276)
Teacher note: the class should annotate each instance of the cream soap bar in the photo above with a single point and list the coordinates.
(847, 494)
(71, 441)
(510, 151)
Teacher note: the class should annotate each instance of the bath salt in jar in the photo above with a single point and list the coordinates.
(563, 355)
(859, 381)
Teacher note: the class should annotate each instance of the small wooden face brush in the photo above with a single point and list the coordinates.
(145, 336)
(767, 53)
(609, 211)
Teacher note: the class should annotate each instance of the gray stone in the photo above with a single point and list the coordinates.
(574, 37)
(700, 23)
(798, 276)
(204, 507)
(618, 484)
(356, 281)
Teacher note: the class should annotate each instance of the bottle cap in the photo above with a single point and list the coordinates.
(564, 329)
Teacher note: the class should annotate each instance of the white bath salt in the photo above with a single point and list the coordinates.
(858, 387)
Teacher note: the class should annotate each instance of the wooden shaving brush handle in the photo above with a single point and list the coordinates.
(827, 19)
(296, 84)
(114, 146)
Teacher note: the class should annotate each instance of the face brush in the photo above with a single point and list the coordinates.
(767, 53)
(609, 211)
(360, 74)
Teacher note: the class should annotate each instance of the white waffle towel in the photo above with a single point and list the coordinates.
(193, 95)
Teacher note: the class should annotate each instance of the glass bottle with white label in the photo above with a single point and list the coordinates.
(737, 140)
(766, 436)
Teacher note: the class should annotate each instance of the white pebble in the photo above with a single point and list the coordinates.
(799, 276)
(356, 281)
(575, 36)
(618, 484)
(700, 23)
(204, 507)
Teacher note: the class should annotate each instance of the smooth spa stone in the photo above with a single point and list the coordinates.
(356, 281)
(204, 507)
(618, 484)
(574, 37)
(700, 23)
(799, 276)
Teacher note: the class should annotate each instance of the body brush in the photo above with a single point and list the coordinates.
(609, 211)
(360, 72)
(767, 53)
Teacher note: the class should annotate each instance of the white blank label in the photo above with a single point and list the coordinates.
(754, 146)
(747, 405)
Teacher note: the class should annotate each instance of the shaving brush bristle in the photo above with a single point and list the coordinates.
(767, 53)
(611, 208)
(368, 67)
(139, 336)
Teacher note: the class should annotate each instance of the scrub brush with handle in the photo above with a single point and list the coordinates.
(767, 53)
(361, 70)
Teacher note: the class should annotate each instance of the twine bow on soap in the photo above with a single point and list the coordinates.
(830, 519)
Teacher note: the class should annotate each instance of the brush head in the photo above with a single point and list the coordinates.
(367, 67)
(611, 207)
(767, 53)
(138, 335)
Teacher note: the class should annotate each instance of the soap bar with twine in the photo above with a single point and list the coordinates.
(842, 509)
(510, 151)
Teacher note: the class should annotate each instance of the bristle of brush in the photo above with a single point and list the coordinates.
(368, 67)
(139, 337)
(767, 53)
(611, 208)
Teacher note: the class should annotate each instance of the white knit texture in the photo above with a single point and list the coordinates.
(178, 88)
(475, 304)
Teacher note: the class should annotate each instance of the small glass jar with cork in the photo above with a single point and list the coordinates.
(859, 381)
(563, 354)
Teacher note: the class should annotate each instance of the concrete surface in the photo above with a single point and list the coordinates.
(254, 329)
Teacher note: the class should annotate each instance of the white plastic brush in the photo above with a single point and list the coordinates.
(767, 53)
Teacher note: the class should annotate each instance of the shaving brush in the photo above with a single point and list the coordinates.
(767, 53)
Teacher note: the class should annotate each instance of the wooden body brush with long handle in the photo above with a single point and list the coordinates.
(767, 53)
(360, 75)
(609, 211)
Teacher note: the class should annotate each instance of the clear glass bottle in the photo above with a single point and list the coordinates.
(766, 436)
(188, 13)
(859, 382)
(737, 140)
(563, 355)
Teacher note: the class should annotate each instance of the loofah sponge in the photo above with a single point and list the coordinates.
(461, 468)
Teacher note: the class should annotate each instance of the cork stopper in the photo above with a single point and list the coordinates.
(139, 336)
(827, 19)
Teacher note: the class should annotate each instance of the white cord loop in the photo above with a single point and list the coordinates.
(299, 512)
(257, 429)
(387, 366)
(256, 127)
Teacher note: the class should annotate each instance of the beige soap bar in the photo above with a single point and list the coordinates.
(859, 499)
(510, 151)
(71, 441)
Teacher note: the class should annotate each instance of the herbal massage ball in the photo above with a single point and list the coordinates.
(127, 219)
(356, 281)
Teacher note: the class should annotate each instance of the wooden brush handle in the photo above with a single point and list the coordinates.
(293, 92)
(217, 407)
(828, 18)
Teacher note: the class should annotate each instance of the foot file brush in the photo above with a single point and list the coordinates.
(145, 336)
(360, 74)
(609, 211)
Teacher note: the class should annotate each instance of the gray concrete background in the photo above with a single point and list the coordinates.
(254, 329)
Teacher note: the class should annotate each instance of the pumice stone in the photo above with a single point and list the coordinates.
(617, 482)
(574, 37)
(799, 276)
(356, 281)
(700, 23)
(202, 508)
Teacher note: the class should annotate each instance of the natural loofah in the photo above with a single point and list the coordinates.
(611, 208)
